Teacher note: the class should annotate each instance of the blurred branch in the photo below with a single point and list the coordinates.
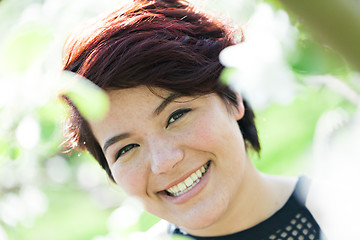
(336, 85)
(334, 22)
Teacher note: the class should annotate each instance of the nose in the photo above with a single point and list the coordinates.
(164, 154)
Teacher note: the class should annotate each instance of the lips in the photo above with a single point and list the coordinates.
(188, 183)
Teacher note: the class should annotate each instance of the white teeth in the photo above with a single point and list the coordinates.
(188, 183)
(194, 177)
(182, 186)
(198, 173)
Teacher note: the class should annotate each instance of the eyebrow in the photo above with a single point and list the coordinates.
(115, 139)
(167, 101)
(157, 111)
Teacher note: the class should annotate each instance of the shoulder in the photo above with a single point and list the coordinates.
(281, 185)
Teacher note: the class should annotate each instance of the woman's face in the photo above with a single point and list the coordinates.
(183, 157)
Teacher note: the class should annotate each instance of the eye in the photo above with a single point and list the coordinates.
(176, 115)
(125, 149)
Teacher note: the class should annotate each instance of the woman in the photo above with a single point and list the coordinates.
(175, 136)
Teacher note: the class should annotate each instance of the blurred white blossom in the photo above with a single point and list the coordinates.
(58, 169)
(88, 175)
(263, 74)
(125, 216)
(28, 132)
(337, 155)
(34, 33)
(22, 208)
(97, 184)
(3, 235)
(107, 237)
(34, 201)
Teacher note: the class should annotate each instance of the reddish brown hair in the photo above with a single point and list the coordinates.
(163, 43)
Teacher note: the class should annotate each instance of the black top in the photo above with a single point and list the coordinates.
(292, 222)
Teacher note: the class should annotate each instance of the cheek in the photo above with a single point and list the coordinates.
(130, 179)
(206, 132)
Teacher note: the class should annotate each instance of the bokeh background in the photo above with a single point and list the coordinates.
(306, 97)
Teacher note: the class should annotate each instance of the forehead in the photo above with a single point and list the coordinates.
(136, 95)
(126, 101)
(127, 106)
(137, 99)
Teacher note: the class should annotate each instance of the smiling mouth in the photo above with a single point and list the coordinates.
(188, 183)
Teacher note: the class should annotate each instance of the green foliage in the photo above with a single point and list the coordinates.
(312, 58)
(90, 100)
(17, 56)
(286, 131)
(70, 213)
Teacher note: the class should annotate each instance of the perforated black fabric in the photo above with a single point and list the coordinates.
(299, 228)
(292, 222)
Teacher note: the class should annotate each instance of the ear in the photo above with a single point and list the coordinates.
(240, 109)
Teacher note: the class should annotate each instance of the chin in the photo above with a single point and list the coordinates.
(200, 225)
(199, 221)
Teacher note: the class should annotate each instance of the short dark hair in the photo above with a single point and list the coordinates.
(161, 43)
